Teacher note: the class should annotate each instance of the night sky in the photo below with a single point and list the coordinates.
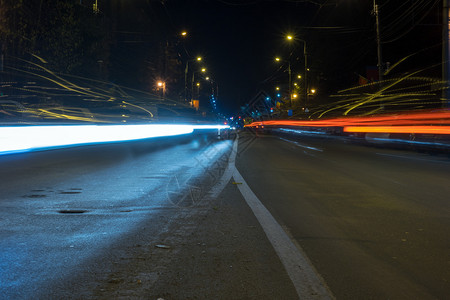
(239, 39)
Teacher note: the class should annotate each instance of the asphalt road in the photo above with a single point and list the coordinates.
(62, 207)
(134, 220)
(373, 221)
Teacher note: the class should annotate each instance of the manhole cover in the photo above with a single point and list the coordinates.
(69, 193)
(72, 211)
(35, 196)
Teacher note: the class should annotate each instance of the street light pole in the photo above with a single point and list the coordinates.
(203, 70)
(162, 85)
(290, 38)
(446, 53)
(186, 69)
(290, 81)
(305, 75)
(198, 90)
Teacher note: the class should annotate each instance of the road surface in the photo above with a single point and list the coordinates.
(137, 220)
(373, 221)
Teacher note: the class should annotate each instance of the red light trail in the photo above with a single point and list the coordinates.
(434, 122)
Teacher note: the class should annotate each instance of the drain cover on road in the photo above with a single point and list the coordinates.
(69, 193)
(72, 211)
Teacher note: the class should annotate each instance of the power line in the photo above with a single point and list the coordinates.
(394, 30)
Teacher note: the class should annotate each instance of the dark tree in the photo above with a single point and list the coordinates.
(67, 35)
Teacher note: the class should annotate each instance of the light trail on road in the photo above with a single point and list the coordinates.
(399, 129)
(373, 213)
(434, 122)
(63, 210)
(28, 138)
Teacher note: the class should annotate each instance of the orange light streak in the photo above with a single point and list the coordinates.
(400, 129)
(400, 123)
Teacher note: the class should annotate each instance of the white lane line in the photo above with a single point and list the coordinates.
(307, 282)
(302, 146)
(226, 176)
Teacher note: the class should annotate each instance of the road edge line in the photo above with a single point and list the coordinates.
(215, 191)
(305, 278)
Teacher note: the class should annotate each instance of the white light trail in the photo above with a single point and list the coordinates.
(27, 138)
(209, 126)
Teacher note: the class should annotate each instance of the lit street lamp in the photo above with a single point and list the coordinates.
(198, 90)
(202, 70)
(162, 85)
(186, 70)
(290, 38)
(214, 91)
(289, 84)
(305, 73)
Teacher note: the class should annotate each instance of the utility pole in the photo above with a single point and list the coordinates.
(380, 60)
(446, 52)
(290, 82)
(186, 70)
(1, 58)
(305, 75)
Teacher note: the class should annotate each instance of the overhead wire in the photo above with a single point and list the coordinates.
(394, 30)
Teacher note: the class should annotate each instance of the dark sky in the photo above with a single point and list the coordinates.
(239, 39)
(239, 42)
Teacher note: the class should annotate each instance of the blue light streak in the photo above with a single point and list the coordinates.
(16, 139)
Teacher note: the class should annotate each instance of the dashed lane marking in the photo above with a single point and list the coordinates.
(302, 146)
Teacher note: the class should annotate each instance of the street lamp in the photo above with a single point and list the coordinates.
(290, 38)
(162, 85)
(202, 70)
(305, 74)
(198, 90)
(289, 71)
(186, 70)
